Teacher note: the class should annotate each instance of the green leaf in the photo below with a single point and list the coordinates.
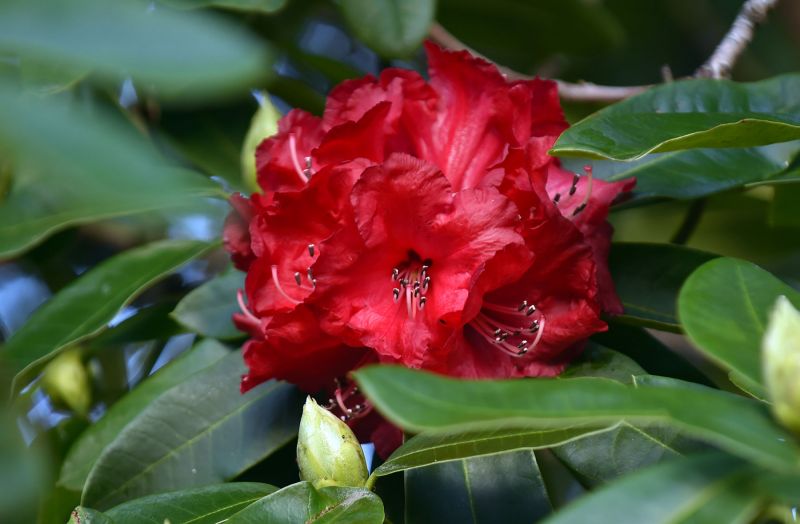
(393, 28)
(81, 515)
(705, 488)
(207, 310)
(84, 452)
(724, 307)
(783, 211)
(689, 114)
(301, 502)
(505, 488)
(435, 448)
(205, 505)
(418, 401)
(648, 277)
(186, 54)
(95, 168)
(85, 306)
(254, 6)
(203, 431)
(696, 173)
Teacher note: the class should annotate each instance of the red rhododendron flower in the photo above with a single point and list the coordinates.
(420, 223)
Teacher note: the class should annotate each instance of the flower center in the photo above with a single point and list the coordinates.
(347, 402)
(513, 330)
(411, 281)
(573, 188)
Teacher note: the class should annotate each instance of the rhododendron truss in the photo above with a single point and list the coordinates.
(421, 223)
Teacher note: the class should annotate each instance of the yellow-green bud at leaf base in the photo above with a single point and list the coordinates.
(328, 452)
(66, 380)
(781, 346)
(263, 125)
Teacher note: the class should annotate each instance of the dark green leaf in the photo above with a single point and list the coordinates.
(84, 452)
(257, 6)
(418, 401)
(85, 307)
(203, 431)
(505, 488)
(207, 310)
(783, 211)
(724, 308)
(302, 503)
(94, 168)
(206, 505)
(186, 54)
(393, 28)
(697, 172)
(427, 449)
(689, 114)
(704, 488)
(648, 277)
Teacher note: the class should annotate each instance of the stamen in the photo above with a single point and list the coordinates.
(574, 185)
(495, 325)
(422, 301)
(297, 278)
(556, 198)
(396, 295)
(311, 250)
(308, 171)
(295, 160)
(588, 169)
(278, 286)
(245, 310)
(395, 274)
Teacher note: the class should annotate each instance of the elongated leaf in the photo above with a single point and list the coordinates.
(418, 401)
(301, 502)
(75, 167)
(190, 54)
(436, 448)
(505, 488)
(648, 277)
(724, 307)
(200, 432)
(84, 452)
(206, 505)
(85, 307)
(257, 6)
(697, 172)
(208, 309)
(689, 114)
(700, 489)
(393, 28)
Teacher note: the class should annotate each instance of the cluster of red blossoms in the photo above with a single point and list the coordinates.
(420, 223)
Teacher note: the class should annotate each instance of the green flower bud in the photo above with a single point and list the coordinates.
(66, 380)
(328, 452)
(263, 125)
(781, 346)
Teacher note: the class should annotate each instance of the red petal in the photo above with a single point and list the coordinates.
(275, 157)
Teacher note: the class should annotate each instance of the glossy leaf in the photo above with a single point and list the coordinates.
(393, 28)
(689, 114)
(418, 401)
(696, 173)
(724, 308)
(85, 306)
(95, 168)
(648, 277)
(92, 442)
(200, 432)
(505, 488)
(436, 448)
(205, 505)
(208, 309)
(699, 489)
(191, 54)
(81, 515)
(301, 502)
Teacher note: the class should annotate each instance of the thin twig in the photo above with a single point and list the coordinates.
(718, 65)
(740, 34)
(579, 92)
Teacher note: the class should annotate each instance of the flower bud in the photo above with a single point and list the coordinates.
(328, 452)
(781, 347)
(66, 381)
(263, 125)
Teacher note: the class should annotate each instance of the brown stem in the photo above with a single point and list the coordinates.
(740, 34)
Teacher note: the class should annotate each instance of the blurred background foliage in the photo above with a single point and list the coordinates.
(123, 122)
